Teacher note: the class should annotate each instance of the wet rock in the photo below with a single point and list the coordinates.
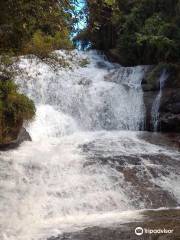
(173, 108)
(170, 100)
(151, 87)
(149, 82)
(167, 140)
(149, 98)
(23, 136)
(102, 65)
(139, 171)
(169, 122)
(170, 110)
(162, 219)
(4, 77)
(85, 82)
(169, 103)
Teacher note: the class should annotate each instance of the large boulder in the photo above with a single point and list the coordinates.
(22, 136)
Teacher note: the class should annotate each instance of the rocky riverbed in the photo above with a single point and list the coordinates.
(158, 221)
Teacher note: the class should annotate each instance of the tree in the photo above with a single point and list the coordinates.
(139, 31)
(19, 20)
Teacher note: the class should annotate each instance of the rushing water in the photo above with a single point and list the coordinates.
(87, 164)
(99, 96)
(157, 101)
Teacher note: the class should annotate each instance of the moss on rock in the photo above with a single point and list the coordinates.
(15, 108)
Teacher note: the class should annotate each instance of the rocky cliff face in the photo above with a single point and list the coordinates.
(168, 117)
(169, 98)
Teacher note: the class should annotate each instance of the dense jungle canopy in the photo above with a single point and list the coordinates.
(136, 31)
(27, 25)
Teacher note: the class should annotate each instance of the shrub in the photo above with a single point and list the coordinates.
(14, 109)
(61, 41)
(40, 45)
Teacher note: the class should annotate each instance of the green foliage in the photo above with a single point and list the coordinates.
(154, 34)
(100, 30)
(22, 21)
(14, 109)
(141, 31)
(110, 2)
(42, 45)
(61, 40)
(32, 27)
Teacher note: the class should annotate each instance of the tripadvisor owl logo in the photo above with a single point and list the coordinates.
(139, 231)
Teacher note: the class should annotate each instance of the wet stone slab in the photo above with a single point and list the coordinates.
(168, 220)
(148, 174)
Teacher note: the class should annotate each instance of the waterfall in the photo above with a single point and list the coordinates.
(157, 101)
(87, 164)
(100, 96)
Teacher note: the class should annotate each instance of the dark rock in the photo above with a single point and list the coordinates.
(167, 140)
(113, 56)
(148, 87)
(85, 82)
(23, 136)
(176, 95)
(149, 98)
(150, 82)
(144, 81)
(170, 97)
(169, 122)
(169, 109)
(4, 78)
(101, 65)
(173, 108)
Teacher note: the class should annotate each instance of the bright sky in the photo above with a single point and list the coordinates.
(80, 5)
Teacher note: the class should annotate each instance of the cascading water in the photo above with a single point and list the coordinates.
(83, 168)
(157, 101)
(84, 96)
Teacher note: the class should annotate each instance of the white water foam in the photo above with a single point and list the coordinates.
(85, 95)
(50, 186)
